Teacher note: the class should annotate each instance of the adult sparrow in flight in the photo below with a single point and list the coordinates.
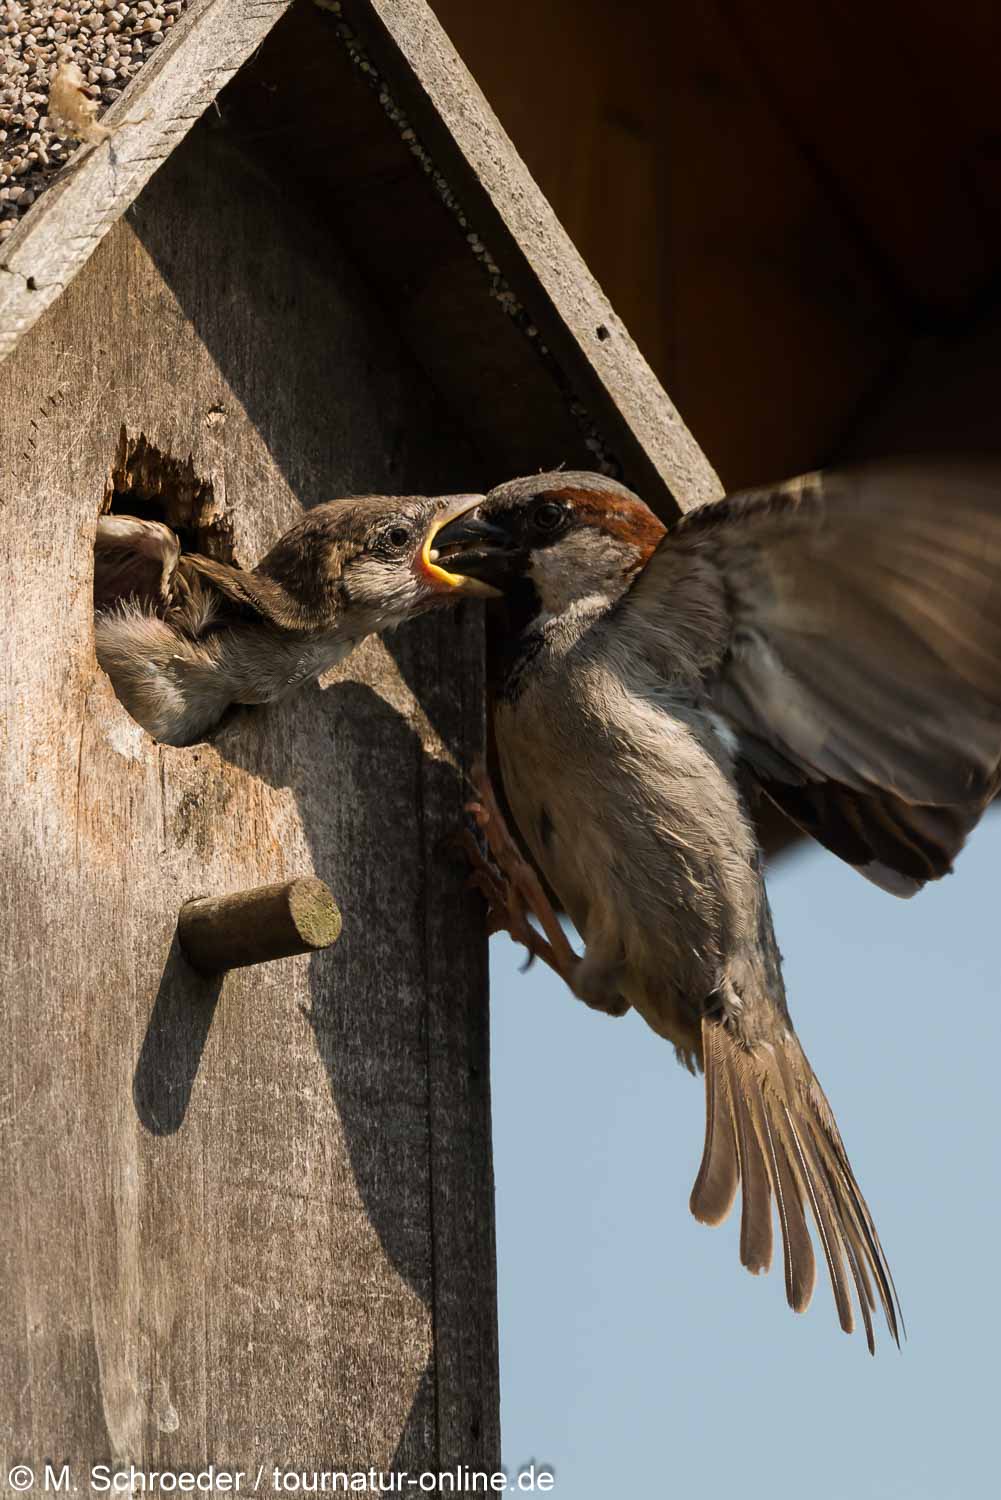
(182, 636)
(834, 644)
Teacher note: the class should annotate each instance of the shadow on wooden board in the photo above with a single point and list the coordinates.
(300, 1184)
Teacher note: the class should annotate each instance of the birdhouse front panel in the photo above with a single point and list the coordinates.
(229, 1193)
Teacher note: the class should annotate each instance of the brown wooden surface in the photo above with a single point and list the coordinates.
(592, 345)
(778, 199)
(516, 404)
(247, 1220)
(54, 240)
(254, 1214)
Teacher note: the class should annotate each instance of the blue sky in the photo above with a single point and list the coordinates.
(637, 1356)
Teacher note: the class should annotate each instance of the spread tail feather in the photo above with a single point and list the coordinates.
(770, 1127)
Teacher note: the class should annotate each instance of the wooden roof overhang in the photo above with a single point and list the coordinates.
(367, 111)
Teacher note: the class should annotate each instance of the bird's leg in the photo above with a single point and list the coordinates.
(514, 891)
(505, 908)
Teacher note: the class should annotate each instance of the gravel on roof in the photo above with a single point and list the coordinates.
(108, 40)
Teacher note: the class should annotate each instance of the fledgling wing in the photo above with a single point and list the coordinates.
(134, 559)
(860, 662)
(249, 595)
(140, 563)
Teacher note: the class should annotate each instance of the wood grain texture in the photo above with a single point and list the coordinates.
(370, 193)
(250, 1220)
(56, 237)
(776, 198)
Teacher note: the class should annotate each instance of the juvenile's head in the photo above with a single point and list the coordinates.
(563, 536)
(363, 564)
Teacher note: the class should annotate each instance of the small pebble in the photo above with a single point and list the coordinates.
(108, 40)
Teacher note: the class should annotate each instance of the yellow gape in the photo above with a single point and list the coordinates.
(457, 506)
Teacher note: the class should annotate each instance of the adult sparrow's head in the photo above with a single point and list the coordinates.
(552, 539)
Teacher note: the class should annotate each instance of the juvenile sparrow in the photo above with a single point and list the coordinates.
(834, 643)
(182, 636)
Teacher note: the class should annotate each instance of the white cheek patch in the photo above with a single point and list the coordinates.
(584, 562)
(378, 591)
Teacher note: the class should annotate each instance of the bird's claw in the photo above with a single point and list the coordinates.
(488, 880)
(510, 886)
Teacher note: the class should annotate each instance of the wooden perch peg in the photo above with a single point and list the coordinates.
(253, 927)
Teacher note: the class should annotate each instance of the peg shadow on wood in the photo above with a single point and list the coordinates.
(175, 1039)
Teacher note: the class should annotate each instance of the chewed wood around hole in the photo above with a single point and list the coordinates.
(153, 485)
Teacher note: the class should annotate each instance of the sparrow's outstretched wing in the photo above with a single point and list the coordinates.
(860, 659)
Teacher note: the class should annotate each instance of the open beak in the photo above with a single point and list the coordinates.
(458, 506)
(486, 552)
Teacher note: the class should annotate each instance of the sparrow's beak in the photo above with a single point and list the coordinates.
(482, 549)
(459, 506)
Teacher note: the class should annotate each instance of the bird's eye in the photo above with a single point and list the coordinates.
(549, 516)
(397, 536)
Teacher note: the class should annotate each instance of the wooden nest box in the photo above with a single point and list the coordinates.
(305, 263)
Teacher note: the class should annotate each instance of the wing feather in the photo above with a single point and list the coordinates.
(134, 559)
(860, 657)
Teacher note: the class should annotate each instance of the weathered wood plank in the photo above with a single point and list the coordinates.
(252, 1218)
(59, 233)
(575, 318)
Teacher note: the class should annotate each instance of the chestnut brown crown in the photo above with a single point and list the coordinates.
(566, 535)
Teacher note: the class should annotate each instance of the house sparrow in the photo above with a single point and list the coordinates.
(182, 636)
(834, 643)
